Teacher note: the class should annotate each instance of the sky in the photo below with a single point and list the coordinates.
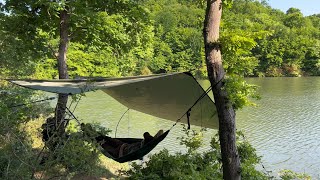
(307, 7)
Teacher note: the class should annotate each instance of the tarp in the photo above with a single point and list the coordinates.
(167, 96)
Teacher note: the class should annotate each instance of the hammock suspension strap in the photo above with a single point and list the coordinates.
(73, 116)
(189, 110)
(188, 117)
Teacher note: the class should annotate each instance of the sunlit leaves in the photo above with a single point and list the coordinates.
(240, 92)
(294, 18)
(236, 48)
(227, 3)
(239, 36)
(117, 34)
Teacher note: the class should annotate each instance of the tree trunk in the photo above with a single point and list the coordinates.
(63, 71)
(226, 113)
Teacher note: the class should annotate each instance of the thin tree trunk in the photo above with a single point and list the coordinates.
(226, 113)
(63, 71)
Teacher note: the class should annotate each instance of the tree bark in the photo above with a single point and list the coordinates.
(226, 113)
(63, 71)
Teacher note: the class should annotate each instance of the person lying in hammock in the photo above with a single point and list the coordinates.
(114, 146)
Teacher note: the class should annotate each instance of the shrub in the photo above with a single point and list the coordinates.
(290, 175)
(23, 155)
(17, 157)
(194, 164)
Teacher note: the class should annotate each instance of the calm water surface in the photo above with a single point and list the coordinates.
(284, 128)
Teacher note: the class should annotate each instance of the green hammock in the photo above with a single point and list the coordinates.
(90, 132)
(138, 154)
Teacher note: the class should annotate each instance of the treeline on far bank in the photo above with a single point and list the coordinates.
(159, 36)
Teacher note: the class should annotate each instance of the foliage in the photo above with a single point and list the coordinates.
(178, 37)
(194, 164)
(249, 159)
(75, 154)
(240, 92)
(290, 175)
(16, 155)
(193, 139)
(239, 62)
(23, 155)
(114, 35)
(124, 37)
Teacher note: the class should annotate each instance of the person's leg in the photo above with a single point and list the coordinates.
(123, 150)
(114, 151)
(147, 137)
(111, 141)
(111, 145)
(159, 133)
(129, 148)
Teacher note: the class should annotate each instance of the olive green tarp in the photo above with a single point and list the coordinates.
(167, 96)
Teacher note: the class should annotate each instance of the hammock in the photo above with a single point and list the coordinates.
(139, 153)
(90, 132)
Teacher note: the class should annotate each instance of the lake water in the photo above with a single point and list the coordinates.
(284, 128)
